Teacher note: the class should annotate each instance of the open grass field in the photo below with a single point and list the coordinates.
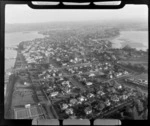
(22, 95)
(136, 62)
(22, 98)
(142, 59)
(22, 114)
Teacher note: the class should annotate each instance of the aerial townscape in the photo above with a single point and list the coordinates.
(74, 72)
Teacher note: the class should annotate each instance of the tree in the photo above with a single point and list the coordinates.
(20, 46)
(145, 114)
(76, 90)
(140, 107)
(139, 92)
(101, 106)
(135, 114)
(127, 48)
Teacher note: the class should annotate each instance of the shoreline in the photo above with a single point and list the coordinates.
(9, 93)
(10, 67)
(10, 89)
(125, 41)
(12, 82)
(111, 39)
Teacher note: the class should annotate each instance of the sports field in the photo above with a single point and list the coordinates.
(28, 113)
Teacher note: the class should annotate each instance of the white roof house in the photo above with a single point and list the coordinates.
(82, 98)
(88, 110)
(89, 83)
(64, 106)
(92, 75)
(69, 111)
(54, 94)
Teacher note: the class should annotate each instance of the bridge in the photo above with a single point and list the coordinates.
(12, 58)
(11, 48)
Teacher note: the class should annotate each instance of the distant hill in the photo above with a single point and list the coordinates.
(122, 25)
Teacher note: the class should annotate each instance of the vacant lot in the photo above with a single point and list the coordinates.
(142, 76)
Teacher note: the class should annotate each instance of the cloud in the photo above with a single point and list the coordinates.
(24, 14)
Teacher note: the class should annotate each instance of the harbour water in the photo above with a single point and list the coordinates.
(136, 39)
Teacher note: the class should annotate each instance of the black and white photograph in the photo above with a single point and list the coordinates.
(76, 63)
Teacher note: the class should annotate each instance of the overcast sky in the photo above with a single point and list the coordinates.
(24, 14)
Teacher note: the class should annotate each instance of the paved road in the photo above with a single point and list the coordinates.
(67, 74)
(132, 71)
(126, 103)
(49, 106)
(58, 67)
(72, 80)
(47, 103)
(121, 77)
(130, 85)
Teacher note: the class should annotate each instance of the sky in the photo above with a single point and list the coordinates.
(25, 14)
